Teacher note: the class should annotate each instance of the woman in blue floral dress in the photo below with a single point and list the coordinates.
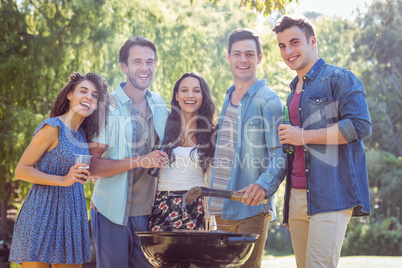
(189, 144)
(52, 226)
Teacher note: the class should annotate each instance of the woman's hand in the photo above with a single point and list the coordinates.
(113, 101)
(77, 173)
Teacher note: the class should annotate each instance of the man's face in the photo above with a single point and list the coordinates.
(296, 52)
(141, 67)
(243, 60)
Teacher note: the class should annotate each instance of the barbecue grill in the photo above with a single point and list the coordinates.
(187, 248)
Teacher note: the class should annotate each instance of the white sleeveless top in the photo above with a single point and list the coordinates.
(183, 173)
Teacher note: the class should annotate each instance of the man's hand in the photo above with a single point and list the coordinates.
(155, 158)
(253, 194)
(290, 134)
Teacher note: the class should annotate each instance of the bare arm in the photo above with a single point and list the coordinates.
(44, 140)
(103, 167)
(295, 135)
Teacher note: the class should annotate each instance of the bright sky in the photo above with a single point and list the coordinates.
(341, 8)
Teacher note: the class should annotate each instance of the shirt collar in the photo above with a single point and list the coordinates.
(312, 74)
(316, 69)
(252, 90)
(122, 96)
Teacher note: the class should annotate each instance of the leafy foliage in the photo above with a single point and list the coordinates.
(382, 73)
(382, 237)
(264, 6)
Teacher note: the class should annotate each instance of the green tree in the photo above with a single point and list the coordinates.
(264, 6)
(381, 72)
(381, 75)
(42, 42)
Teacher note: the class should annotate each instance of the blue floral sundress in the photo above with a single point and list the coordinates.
(52, 226)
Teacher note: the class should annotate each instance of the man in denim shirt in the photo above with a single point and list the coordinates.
(327, 179)
(248, 154)
(122, 153)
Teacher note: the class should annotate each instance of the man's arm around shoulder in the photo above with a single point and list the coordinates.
(103, 167)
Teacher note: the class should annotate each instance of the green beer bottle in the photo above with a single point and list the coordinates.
(287, 148)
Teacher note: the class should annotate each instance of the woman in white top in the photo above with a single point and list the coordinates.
(190, 145)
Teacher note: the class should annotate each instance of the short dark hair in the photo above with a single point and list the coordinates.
(135, 41)
(244, 34)
(289, 20)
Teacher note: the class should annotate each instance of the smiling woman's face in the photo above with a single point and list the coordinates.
(84, 98)
(189, 96)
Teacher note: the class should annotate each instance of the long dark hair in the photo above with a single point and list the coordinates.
(97, 120)
(205, 124)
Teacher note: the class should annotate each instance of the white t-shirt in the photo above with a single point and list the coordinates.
(183, 173)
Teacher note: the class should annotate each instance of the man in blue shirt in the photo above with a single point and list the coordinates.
(327, 179)
(122, 153)
(248, 154)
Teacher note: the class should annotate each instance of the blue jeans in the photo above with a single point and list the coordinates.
(118, 245)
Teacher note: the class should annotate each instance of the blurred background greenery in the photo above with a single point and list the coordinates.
(42, 42)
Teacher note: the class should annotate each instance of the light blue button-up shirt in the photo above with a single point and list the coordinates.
(110, 193)
(258, 153)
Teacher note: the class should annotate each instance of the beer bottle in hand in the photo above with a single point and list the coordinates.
(287, 148)
(154, 172)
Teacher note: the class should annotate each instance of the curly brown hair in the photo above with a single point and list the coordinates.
(97, 120)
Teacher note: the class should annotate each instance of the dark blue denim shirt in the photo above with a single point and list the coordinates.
(336, 174)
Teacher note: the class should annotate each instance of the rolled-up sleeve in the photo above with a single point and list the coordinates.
(276, 170)
(355, 122)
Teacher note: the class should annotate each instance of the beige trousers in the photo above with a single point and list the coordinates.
(257, 224)
(317, 240)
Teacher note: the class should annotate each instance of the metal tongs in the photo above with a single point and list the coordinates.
(198, 191)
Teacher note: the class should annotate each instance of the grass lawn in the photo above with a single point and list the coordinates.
(345, 262)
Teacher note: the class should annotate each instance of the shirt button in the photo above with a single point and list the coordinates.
(306, 170)
(308, 191)
(305, 149)
(299, 109)
(128, 203)
(129, 184)
(238, 117)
